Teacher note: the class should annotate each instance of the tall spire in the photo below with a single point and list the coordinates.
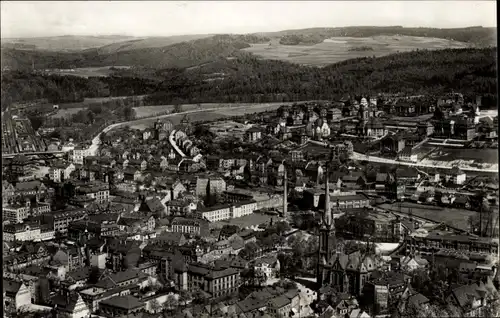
(285, 193)
(328, 211)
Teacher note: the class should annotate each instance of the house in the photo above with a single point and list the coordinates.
(455, 176)
(269, 267)
(21, 232)
(253, 134)
(61, 171)
(15, 296)
(79, 153)
(71, 305)
(408, 154)
(171, 238)
(191, 226)
(392, 144)
(471, 299)
(16, 213)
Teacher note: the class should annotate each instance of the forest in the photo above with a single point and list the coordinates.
(20, 86)
(248, 79)
(251, 80)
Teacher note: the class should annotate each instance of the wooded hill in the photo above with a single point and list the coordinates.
(246, 78)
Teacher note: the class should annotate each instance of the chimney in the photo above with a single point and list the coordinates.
(285, 193)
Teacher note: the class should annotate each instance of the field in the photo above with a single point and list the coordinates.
(450, 154)
(67, 112)
(254, 219)
(226, 110)
(94, 100)
(341, 48)
(454, 217)
(86, 71)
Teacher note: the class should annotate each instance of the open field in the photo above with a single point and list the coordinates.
(226, 110)
(85, 71)
(454, 217)
(341, 48)
(94, 100)
(67, 112)
(254, 219)
(450, 154)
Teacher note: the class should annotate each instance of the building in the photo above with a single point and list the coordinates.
(434, 242)
(61, 171)
(60, 220)
(455, 176)
(21, 232)
(408, 154)
(16, 213)
(98, 191)
(79, 153)
(121, 306)
(253, 134)
(269, 267)
(216, 213)
(190, 226)
(219, 282)
(15, 296)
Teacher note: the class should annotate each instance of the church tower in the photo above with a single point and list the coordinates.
(327, 241)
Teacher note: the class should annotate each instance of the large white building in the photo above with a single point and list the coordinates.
(21, 232)
(228, 211)
(79, 153)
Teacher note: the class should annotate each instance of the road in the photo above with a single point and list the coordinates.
(359, 156)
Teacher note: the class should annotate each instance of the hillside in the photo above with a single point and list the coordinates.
(67, 43)
(475, 35)
(245, 78)
(149, 42)
(249, 79)
(183, 54)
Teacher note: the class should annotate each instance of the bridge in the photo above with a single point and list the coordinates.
(35, 153)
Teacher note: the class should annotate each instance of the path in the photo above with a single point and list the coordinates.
(174, 144)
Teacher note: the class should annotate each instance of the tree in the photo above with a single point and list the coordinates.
(177, 108)
(36, 122)
(184, 297)
(170, 303)
(155, 306)
(282, 227)
(228, 230)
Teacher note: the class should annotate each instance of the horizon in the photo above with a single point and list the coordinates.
(24, 19)
(271, 31)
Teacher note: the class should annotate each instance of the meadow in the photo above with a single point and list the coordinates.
(226, 110)
(455, 217)
(479, 155)
(67, 112)
(343, 48)
(86, 71)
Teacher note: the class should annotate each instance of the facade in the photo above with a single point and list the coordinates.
(16, 213)
(197, 227)
(79, 153)
(21, 232)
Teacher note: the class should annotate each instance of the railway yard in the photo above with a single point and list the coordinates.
(19, 136)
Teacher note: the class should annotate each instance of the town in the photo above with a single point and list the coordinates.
(368, 206)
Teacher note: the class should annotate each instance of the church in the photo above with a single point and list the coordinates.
(343, 272)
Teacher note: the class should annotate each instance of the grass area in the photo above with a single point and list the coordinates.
(94, 100)
(454, 217)
(449, 154)
(226, 110)
(254, 219)
(86, 71)
(67, 112)
(341, 48)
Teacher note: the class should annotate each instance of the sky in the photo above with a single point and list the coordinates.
(158, 18)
